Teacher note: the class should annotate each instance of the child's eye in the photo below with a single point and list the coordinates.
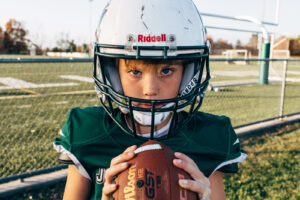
(134, 72)
(166, 71)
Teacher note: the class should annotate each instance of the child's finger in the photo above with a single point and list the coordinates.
(201, 188)
(125, 156)
(107, 190)
(188, 165)
(182, 156)
(114, 170)
(131, 148)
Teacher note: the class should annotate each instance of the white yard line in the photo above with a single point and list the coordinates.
(13, 83)
(293, 72)
(250, 73)
(46, 95)
(235, 73)
(61, 102)
(25, 106)
(16, 83)
(78, 78)
(287, 79)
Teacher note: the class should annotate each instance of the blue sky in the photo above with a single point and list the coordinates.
(47, 20)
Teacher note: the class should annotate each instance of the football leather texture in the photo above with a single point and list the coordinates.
(152, 175)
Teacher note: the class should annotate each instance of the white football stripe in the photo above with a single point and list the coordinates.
(148, 148)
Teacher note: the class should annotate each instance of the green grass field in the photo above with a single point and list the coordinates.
(31, 117)
(272, 168)
(270, 172)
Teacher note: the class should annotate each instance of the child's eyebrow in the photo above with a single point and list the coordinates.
(131, 66)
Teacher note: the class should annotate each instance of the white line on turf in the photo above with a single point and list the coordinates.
(78, 78)
(25, 106)
(13, 83)
(61, 102)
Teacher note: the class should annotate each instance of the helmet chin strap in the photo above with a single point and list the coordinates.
(145, 118)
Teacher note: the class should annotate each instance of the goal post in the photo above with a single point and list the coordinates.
(236, 53)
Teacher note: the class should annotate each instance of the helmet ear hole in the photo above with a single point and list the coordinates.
(107, 69)
(111, 72)
(191, 69)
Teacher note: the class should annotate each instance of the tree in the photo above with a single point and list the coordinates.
(220, 45)
(238, 44)
(15, 37)
(72, 46)
(1, 40)
(56, 49)
(63, 42)
(294, 46)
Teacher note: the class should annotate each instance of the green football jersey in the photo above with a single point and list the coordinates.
(91, 139)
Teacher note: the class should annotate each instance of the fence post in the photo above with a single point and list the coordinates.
(283, 85)
(264, 65)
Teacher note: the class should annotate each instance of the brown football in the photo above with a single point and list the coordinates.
(152, 175)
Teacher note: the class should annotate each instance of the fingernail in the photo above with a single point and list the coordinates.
(178, 161)
(177, 153)
(130, 154)
(124, 164)
(113, 185)
(183, 182)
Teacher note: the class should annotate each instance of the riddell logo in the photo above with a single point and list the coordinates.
(152, 38)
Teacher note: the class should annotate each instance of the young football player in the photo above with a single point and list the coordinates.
(151, 70)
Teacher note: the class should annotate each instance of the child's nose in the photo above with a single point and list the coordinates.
(150, 88)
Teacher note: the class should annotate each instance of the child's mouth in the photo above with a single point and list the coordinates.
(149, 105)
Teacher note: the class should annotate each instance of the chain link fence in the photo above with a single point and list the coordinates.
(36, 95)
(235, 90)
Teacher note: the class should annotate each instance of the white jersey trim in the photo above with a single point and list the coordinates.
(237, 141)
(239, 159)
(61, 133)
(59, 148)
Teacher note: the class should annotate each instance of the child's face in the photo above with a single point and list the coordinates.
(145, 80)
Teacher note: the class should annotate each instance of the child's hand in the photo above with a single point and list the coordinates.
(117, 165)
(199, 184)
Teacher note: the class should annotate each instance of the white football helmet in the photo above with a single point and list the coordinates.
(150, 29)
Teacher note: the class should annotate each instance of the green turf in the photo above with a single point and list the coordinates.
(245, 104)
(276, 70)
(28, 128)
(223, 66)
(271, 170)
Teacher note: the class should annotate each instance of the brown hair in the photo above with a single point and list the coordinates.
(157, 62)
